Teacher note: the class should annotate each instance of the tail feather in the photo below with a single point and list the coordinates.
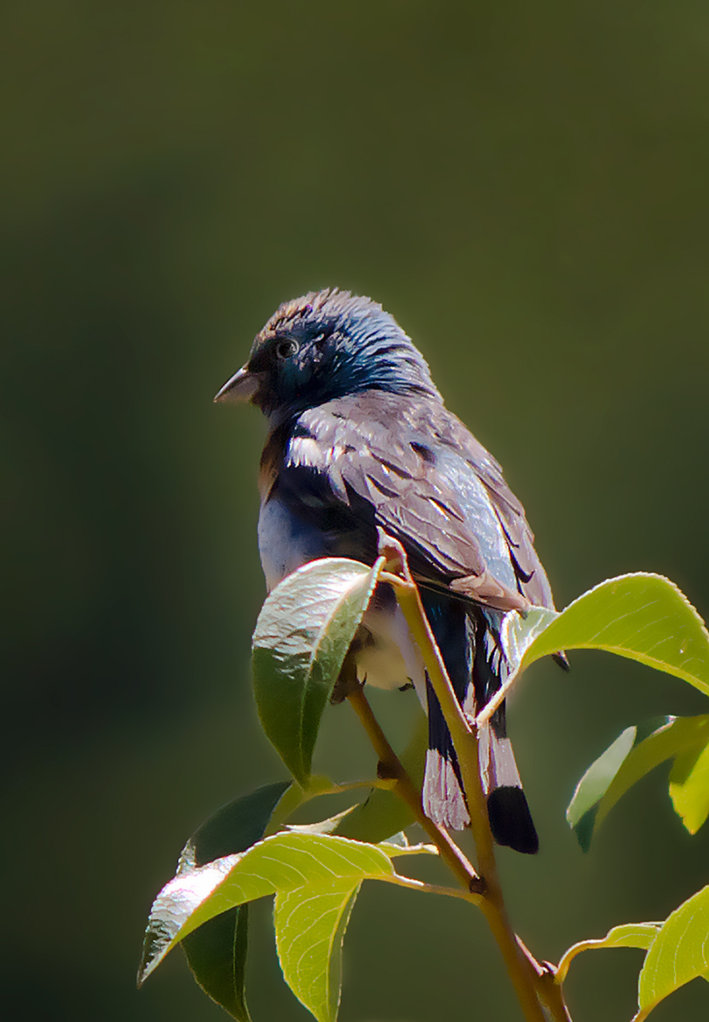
(511, 821)
(475, 662)
(443, 800)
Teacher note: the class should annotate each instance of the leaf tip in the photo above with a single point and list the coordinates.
(145, 967)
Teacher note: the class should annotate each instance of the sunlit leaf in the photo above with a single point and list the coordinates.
(679, 953)
(175, 906)
(642, 616)
(583, 808)
(279, 864)
(689, 786)
(216, 953)
(637, 751)
(310, 926)
(633, 935)
(302, 635)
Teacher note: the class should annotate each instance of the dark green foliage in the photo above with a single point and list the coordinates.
(301, 638)
(315, 871)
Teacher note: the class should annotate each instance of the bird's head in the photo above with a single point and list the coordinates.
(322, 346)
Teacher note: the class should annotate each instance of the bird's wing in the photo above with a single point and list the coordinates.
(396, 462)
(532, 579)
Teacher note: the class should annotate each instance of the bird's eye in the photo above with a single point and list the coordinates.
(286, 348)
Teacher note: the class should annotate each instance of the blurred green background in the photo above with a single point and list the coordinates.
(525, 188)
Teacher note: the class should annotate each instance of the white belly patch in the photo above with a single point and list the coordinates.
(389, 658)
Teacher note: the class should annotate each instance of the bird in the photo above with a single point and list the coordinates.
(359, 442)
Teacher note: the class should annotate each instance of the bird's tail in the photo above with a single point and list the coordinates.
(476, 665)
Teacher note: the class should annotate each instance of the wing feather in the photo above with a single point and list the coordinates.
(412, 468)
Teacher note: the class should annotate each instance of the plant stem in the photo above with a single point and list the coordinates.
(490, 708)
(391, 766)
(420, 885)
(539, 995)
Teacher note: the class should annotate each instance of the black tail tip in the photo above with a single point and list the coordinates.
(511, 821)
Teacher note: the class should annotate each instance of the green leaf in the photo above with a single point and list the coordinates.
(634, 935)
(384, 813)
(583, 808)
(331, 825)
(216, 953)
(637, 751)
(679, 953)
(279, 864)
(689, 787)
(234, 827)
(302, 635)
(642, 616)
(175, 907)
(310, 928)
(296, 795)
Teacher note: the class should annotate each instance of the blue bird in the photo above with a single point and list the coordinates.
(360, 439)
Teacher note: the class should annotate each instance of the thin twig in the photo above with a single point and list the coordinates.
(391, 766)
(399, 851)
(497, 700)
(419, 885)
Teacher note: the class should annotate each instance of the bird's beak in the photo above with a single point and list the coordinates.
(241, 387)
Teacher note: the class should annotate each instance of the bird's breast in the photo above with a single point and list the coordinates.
(286, 541)
(386, 655)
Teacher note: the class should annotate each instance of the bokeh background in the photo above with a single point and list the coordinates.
(525, 187)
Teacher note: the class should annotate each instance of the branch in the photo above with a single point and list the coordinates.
(534, 983)
(390, 766)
